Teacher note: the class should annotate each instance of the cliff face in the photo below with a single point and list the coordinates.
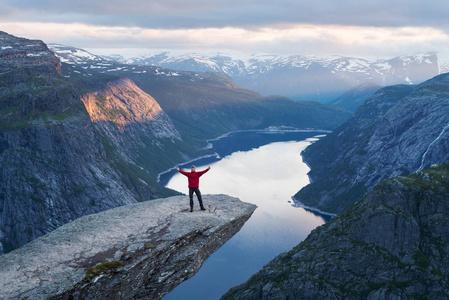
(400, 130)
(139, 138)
(124, 104)
(53, 166)
(394, 244)
(139, 251)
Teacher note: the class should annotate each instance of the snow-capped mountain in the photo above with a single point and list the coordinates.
(295, 76)
(78, 56)
(111, 65)
(301, 77)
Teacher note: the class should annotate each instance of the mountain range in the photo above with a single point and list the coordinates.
(300, 77)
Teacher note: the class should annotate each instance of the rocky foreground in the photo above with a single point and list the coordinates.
(393, 244)
(131, 252)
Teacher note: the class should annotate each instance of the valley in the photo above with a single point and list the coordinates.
(85, 141)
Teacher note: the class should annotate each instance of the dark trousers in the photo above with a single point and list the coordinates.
(198, 195)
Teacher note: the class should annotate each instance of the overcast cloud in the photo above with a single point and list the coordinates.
(323, 27)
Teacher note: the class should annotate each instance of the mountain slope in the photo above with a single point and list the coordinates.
(214, 105)
(391, 245)
(355, 97)
(300, 77)
(400, 130)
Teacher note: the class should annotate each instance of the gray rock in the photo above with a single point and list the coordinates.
(393, 244)
(131, 252)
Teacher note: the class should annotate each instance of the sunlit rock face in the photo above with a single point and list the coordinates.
(123, 103)
(139, 251)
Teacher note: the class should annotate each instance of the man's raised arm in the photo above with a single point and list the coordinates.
(181, 171)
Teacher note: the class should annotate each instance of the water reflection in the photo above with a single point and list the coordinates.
(267, 176)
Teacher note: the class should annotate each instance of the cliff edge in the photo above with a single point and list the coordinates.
(136, 251)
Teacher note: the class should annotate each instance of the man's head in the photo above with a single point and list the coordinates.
(192, 168)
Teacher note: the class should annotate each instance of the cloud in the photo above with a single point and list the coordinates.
(324, 27)
(291, 39)
(230, 13)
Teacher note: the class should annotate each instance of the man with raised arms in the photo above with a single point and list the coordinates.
(194, 184)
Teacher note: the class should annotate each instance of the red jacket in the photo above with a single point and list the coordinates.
(194, 177)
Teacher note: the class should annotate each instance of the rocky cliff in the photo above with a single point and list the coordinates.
(139, 251)
(398, 131)
(53, 165)
(139, 138)
(394, 244)
(124, 104)
(16, 51)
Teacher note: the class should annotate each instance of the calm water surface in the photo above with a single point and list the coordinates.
(265, 175)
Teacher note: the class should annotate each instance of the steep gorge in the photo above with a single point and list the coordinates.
(139, 138)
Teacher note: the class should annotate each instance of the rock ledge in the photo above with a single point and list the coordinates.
(136, 251)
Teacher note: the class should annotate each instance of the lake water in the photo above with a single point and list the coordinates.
(264, 168)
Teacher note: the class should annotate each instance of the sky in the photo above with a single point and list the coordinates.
(381, 28)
